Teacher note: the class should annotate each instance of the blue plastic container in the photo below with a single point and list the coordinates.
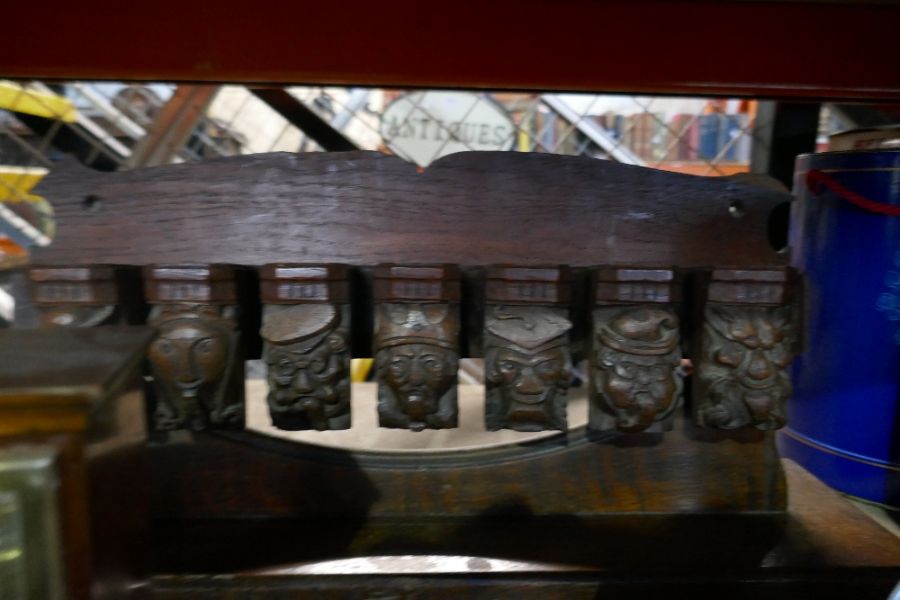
(844, 417)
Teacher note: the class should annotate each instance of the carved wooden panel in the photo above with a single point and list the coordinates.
(195, 357)
(746, 345)
(561, 495)
(305, 333)
(74, 296)
(527, 358)
(636, 352)
(417, 326)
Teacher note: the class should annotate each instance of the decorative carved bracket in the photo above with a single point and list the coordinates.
(527, 359)
(195, 357)
(745, 348)
(636, 350)
(305, 332)
(74, 296)
(417, 326)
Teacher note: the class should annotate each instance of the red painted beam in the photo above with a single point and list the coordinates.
(810, 49)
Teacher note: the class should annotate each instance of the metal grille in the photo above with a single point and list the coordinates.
(104, 123)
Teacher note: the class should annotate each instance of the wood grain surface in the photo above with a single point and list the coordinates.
(230, 501)
(364, 208)
(829, 550)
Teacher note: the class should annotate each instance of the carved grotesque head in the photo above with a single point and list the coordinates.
(417, 363)
(637, 353)
(745, 356)
(308, 360)
(188, 358)
(528, 366)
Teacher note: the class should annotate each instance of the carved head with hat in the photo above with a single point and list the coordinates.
(416, 357)
(527, 366)
(308, 359)
(637, 353)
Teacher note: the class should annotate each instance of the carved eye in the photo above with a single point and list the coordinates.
(205, 346)
(318, 365)
(508, 366)
(398, 365)
(625, 370)
(548, 367)
(285, 367)
(164, 346)
(432, 363)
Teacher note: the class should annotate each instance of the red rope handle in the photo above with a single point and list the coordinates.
(816, 180)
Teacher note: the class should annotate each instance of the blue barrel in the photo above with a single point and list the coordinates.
(844, 417)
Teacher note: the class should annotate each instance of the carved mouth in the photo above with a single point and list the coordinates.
(528, 399)
(753, 384)
(189, 388)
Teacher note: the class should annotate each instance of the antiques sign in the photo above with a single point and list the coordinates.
(423, 126)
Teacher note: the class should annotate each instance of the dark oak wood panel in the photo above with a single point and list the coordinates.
(61, 368)
(365, 208)
(829, 549)
(570, 497)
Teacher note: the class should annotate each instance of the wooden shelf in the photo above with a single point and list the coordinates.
(788, 49)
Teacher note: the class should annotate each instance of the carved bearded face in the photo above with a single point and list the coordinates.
(309, 377)
(189, 355)
(637, 388)
(749, 352)
(528, 383)
(754, 349)
(418, 375)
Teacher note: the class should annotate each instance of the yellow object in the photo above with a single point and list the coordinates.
(41, 104)
(359, 369)
(16, 183)
(523, 140)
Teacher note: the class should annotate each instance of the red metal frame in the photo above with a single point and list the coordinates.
(810, 49)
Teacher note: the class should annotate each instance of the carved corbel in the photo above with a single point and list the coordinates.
(417, 345)
(527, 358)
(74, 296)
(636, 350)
(305, 332)
(745, 348)
(195, 357)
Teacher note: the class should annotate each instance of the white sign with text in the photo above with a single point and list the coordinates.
(423, 126)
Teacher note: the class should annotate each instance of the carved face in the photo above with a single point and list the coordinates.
(754, 349)
(418, 376)
(189, 356)
(528, 382)
(637, 388)
(748, 350)
(309, 380)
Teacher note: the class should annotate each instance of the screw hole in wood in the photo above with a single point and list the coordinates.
(92, 203)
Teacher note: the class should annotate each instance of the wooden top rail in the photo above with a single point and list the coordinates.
(364, 208)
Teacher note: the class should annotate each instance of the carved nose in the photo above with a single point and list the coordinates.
(759, 368)
(184, 371)
(416, 374)
(529, 384)
(301, 382)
